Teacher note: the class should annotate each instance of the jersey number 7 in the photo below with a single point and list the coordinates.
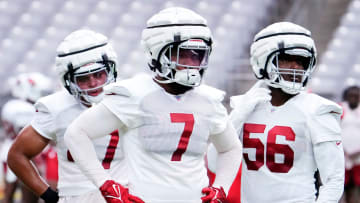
(271, 148)
(110, 150)
(188, 119)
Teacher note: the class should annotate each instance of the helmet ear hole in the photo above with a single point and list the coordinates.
(262, 73)
(68, 77)
(155, 65)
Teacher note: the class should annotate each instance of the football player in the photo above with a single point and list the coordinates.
(15, 115)
(85, 63)
(25, 88)
(350, 125)
(288, 134)
(168, 120)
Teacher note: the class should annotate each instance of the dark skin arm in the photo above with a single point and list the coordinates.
(27, 145)
(9, 192)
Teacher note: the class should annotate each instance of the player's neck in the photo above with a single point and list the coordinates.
(353, 106)
(84, 103)
(174, 88)
(279, 97)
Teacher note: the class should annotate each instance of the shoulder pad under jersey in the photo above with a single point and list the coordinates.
(211, 92)
(136, 86)
(55, 102)
(324, 106)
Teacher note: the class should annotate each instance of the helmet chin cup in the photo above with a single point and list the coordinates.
(89, 100)
(295, 89)
(188, 77)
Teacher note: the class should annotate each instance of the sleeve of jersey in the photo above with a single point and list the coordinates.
(119, 101)
(219, 117)
(329, 158)
(228, 161)
(43, 121)
(325, 124)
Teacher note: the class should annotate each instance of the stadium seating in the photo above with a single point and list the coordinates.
(31, 30)
(339, 66)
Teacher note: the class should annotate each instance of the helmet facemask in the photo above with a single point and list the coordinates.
(100, 73)
(184, 63)
(290, 80)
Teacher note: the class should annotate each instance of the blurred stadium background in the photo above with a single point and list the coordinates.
(30, 31)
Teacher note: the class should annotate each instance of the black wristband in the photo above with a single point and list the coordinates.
(50, 196)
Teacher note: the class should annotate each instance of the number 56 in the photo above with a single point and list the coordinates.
(271, 148)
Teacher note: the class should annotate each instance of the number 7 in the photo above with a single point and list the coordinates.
(188, 119)
(110, 150)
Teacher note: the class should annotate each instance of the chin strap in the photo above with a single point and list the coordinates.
(167, 81)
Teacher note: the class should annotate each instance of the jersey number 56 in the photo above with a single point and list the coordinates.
(271, 148)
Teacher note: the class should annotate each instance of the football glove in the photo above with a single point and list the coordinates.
(115, 193)
(214, 195)
(244, 105)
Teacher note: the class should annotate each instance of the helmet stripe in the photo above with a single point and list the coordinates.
(283, 33)
(83, 50)
(171, 25)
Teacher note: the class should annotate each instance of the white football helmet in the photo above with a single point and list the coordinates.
(30, 86)
(172, 33)
(81, 53)
(15, 115)
(279, 39)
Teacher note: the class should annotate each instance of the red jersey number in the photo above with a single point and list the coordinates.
(188, 119)
(271, 149)
(110, 150)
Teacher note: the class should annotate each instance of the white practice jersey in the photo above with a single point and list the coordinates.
(278, 156)
(167, 137)
(53, 115)
(350, 125)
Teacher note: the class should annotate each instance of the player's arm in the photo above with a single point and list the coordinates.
(95, 122)
(329, 157)
(229, 150)
(244, 105)
(328, 151)
(26, 146)
(228, 162)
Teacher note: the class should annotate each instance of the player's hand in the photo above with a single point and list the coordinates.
(214, 195)
(244, 104)
(115, 193)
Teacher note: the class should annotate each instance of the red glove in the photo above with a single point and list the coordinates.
(214, 195)
(115, 193)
